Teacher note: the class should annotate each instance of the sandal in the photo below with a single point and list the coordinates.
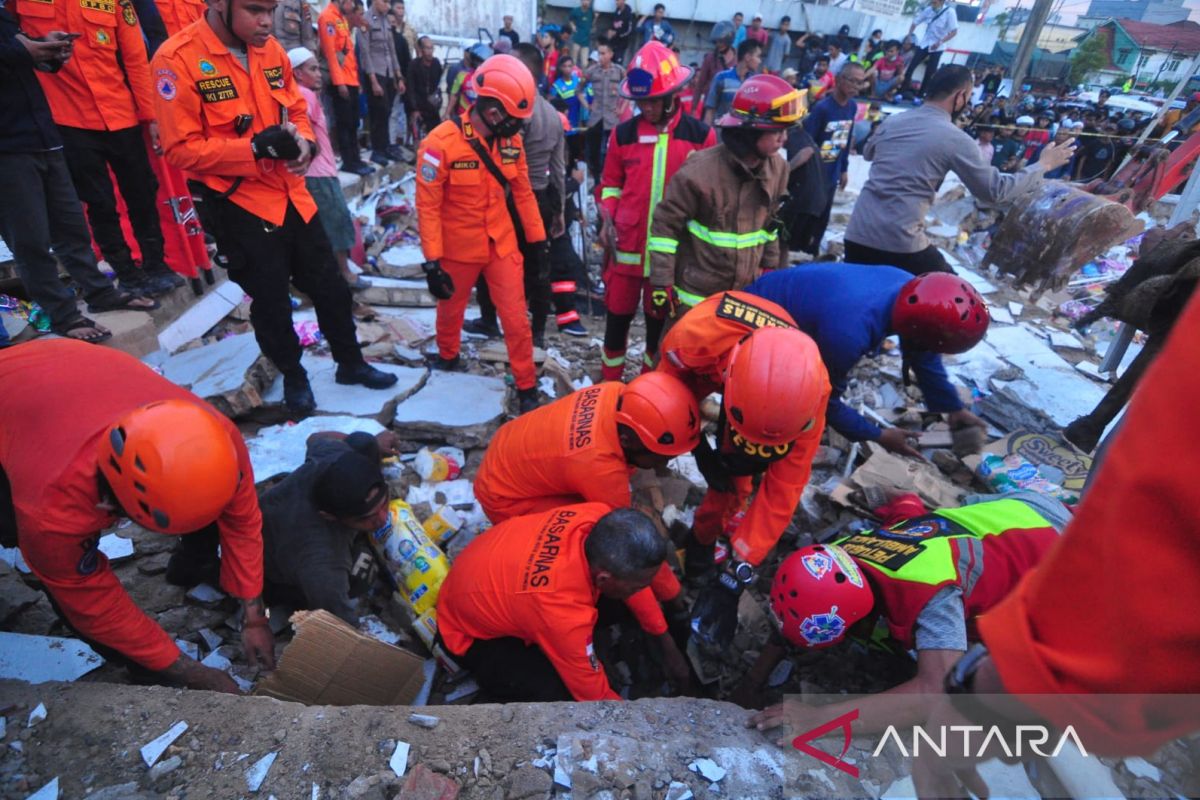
(79, 324)
(120, 300)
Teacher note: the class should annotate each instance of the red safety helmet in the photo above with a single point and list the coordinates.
(662, 411)
(507, 79)
(939, 312)
(654, 72)
(818, 594)
(774, 386)
(765, 103)
(171, 464)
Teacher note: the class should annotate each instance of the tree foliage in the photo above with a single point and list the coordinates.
(1090, 56)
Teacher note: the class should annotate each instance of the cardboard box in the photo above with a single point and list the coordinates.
(330, 663)
(1041, 448)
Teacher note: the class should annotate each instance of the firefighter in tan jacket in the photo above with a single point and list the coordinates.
(715, 229)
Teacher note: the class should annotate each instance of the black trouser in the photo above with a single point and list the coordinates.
(379, 111)
(264, 260)
(511, 671)
(931, 59)
(596, 140)
(39, 210)
(928, 260)
(89, 155)
(345, 115)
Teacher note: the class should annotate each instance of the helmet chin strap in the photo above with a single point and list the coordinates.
(227, 21)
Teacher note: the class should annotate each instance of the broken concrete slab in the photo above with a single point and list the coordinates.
(359, 401)
(401, 261)
(397, 292)
(152, 750)
(1001, 314)
(1065, 340)
(132, 331)
(981, 284)
(38, 659)
(1051, 385)
(282, 448)
(205, 313)
(497, 352)
(231, 374)
(453, 408)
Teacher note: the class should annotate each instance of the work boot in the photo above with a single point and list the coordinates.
(297, 393)
(363, 374)
(574, 329)
(446, 364)
(360, 168)
(697, 559)
(378, 157)
(394, 153)
(481, 327)
(527, 400)
(164, 276)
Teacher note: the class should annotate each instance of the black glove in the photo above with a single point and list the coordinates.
(716, 475)
(541, 260)
(275, 142)
(441, 285)
(714, 615)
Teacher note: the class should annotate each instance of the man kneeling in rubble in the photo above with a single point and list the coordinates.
(518, 607)
(918, 583)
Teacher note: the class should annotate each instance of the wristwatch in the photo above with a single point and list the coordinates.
(959, 684)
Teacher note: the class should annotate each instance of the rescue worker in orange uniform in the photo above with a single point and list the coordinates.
(100, 99)
(178, 14)
(584, 448)
(241, 129)
(469, 221)
(337, 45)
(93, 436)
(774, 393)
(644, 152)
(717, 226)
(518, 607)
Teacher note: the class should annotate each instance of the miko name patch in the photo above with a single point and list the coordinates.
(216, 90)
(737, 310)
(274, 76)
(464, 165)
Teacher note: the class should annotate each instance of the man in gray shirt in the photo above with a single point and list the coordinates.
(910, 154)
(294, 25)
(604, 76)
(382, 70)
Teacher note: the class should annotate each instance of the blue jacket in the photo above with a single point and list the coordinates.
(847, 310)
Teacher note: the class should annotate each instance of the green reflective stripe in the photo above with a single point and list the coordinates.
(648, 360)
(733, 241)
(615, 361)
(661, 244)
(628, 258)
(687, 298)
(658, 183)
(609, 192)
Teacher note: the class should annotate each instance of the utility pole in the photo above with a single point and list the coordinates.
(1028, 43)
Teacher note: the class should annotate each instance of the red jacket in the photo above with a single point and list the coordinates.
(636, 175)
(60, 397)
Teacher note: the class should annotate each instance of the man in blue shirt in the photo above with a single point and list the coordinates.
(830, 123)
(849, 309)
(727, 82)
(656, 28)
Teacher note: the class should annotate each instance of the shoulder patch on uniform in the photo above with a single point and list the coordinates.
(510, 155)
(165, 84)
(330, 29)
(127, 12)
(274, 76)
(102, 37)
(432, 157)
(207, 68)
(428, 173)
(105, 6)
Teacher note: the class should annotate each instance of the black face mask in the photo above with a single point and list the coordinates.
(507, 127)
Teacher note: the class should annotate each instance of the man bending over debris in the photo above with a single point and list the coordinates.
(584, 448)
(928, 577)
(315, 557)
(89, 435)
(849, 309)
(519, 605)
(775, 390)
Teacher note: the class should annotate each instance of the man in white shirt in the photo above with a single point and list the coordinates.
(941, 25)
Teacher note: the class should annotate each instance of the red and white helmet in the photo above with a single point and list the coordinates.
(654, 72)
(818, 594)
(766, 103)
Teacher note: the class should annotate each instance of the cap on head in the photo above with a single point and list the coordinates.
(171, 464)
(939, 312)
(299, 55)
(663, 413)
(818, 594)
(775, 386)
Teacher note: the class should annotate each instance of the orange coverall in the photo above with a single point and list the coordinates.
(337, 45)
(178, 14)
(563, 453)
(106, 84)
(1106, 628)
(70, 393)
(465, 224)
(201, 91)
(696, 350)
(529, 578)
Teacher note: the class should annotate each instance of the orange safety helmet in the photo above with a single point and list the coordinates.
(171, 464)
(774, 385)
(505, 78)
(662, 411)
(654, 72)
(766, 103)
